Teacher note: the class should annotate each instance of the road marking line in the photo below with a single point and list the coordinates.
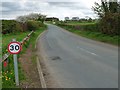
(38, 38)
(88, 51)
(94, 54)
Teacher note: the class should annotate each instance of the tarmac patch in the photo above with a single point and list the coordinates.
(55, 58)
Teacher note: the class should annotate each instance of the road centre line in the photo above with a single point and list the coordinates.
(87, 51)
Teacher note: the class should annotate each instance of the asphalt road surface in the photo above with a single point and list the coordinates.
(78, 62)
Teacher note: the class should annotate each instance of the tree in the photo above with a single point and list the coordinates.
(41, 17)
(23, 20)
(31, 16)
(67, 19)
(106, 7)
(108, 12)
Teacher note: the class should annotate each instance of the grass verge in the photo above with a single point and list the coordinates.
(8, 80)
(80, 23)
(98, 36)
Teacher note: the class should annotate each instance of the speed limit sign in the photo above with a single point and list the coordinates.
(14, 47)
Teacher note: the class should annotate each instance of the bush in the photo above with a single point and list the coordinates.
(90, 27)
(86, 27)
(10, 26)
(110, 24)
(33, 25)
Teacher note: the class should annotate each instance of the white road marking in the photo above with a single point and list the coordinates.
(88, 51)
(94, 54)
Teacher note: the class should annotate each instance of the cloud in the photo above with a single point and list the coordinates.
(10, 6)
(71, 5)
(14, 8)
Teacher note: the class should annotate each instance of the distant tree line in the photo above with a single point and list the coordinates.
(51, 19)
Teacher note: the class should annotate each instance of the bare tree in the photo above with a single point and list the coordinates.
(31, 16)
(106, 7)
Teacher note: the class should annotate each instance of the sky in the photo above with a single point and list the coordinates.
(10, 9)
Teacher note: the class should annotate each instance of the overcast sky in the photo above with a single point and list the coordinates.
(10, 9)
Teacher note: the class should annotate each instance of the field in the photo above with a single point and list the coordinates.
(80, 23)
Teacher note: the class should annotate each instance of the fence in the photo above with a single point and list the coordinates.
(5, 56)
(5, 59)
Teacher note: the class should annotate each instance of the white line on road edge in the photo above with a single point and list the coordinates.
(42, 80)
(38, 38)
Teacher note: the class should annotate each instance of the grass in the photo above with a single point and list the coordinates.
(0, 63)
(0, 45)
(8, 72)
(37, 33)
(6, 39)
(8, 80)
(33, 42)
(98, 36)
(79, 23)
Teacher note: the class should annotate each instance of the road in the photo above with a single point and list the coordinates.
(78, 62)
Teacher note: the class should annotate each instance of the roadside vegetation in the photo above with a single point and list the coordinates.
(19, 29)
(29, 64)
(91, 31)
(105, 29)
(88, 32)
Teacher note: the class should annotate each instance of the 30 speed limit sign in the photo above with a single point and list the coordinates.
(14, 47)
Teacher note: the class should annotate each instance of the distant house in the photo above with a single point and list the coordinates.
(67, 18)
(75, 18)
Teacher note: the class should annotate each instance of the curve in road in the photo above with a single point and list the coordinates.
(78, 62)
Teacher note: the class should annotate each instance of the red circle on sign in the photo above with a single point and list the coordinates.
(17, 44)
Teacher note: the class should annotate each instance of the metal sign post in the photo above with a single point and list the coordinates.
(16, 68)
(14, 48)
